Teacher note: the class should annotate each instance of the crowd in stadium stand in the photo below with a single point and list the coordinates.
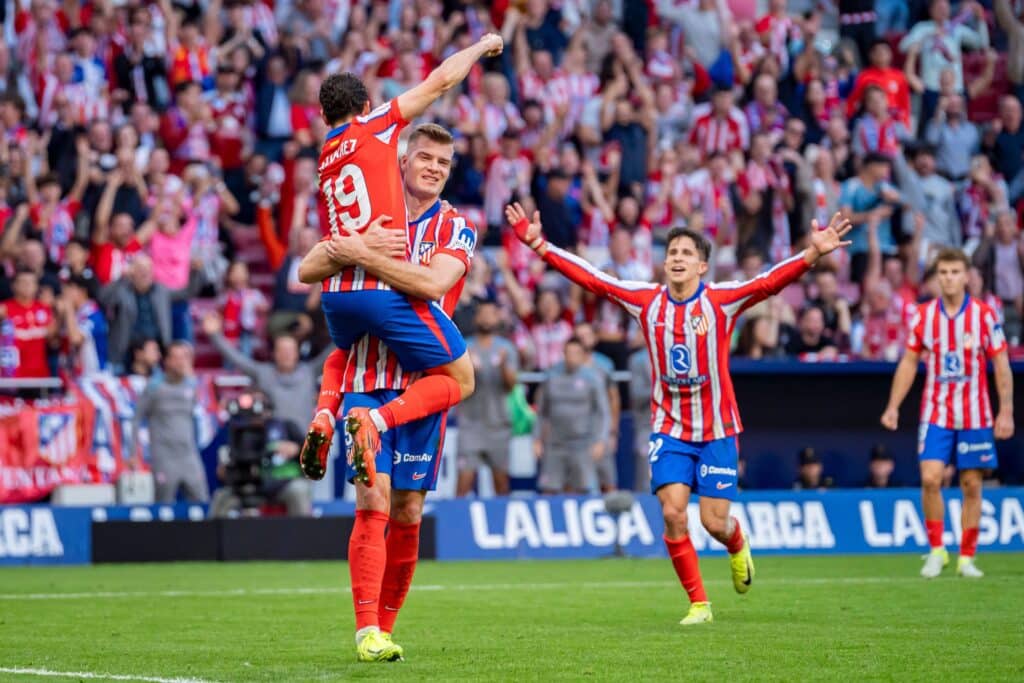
(159, 162)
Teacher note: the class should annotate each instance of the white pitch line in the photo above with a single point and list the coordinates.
(47, 673)
(245, 592)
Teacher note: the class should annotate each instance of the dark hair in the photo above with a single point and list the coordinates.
(952, 255)
(342, 96)
(923, 148)
(879, 41)
(875, 158)
(699, 240)
(138, 344)
(47, 179)
(809, 308)
(77, 281)
(184, 85)
(13, 99)
(873, 88)
(751, 251)
(575, 340)
(80, 241)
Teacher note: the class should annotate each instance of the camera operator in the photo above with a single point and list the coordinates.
(261, 463)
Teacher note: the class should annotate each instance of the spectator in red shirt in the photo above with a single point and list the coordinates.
(184, 127)
(29, 328)
(114, 240)
(241, 307)
(881, 74)
(232, 139)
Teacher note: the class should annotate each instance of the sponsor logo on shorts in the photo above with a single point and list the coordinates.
(727, 471)
(722, 485)
(418, 476)
(964, 448)
(986, 458)
(413, 457)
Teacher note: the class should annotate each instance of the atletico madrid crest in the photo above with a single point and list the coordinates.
(699, 324)
(426, 252)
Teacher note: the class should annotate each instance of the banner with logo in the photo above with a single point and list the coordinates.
(44, 444)
(83, 437)
(797, 522)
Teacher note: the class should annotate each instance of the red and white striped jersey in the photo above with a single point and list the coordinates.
(710, 134)
(956, 350)
(371, 366)
(360, 180)
(692, 397)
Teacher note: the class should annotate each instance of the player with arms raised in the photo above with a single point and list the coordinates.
(957, 334)
(360, 182)
(442, 243)
(695, 421)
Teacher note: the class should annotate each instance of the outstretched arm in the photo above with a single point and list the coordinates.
(630, 295)
(446, 76)
(738, 296)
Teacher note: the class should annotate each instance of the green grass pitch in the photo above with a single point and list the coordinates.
(843, 618)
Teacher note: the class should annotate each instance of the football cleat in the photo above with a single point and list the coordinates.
(700, 613)
(966, 568)
(313, 456)
(934, 563)
(373, 646)
(742, 565)
(387, 637)
(365, 444)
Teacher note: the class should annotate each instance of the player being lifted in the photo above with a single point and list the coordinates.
(359, 182)
(957, 334)
(442, 243)
(695, 421)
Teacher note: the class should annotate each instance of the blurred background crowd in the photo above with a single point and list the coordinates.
(158, 168)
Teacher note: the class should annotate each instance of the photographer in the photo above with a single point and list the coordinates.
(261, 463)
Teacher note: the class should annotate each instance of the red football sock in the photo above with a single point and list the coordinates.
(403, 551)
(934, 527)
(684, 559)
(735, 543)
(367, 556)
(969, 542)
(425, 396)
(330, 385)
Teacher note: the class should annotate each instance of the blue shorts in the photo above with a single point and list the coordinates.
(411, 453)
(975, 448)
(707, 467)
(419, 333)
